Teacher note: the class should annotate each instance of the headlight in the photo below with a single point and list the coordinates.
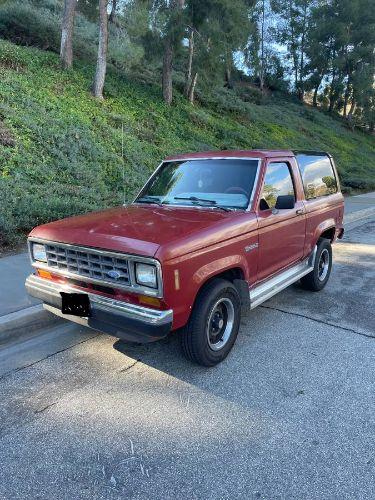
(39, 252)
(145, 274)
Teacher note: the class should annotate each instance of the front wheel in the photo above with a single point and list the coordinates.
(317, 279)
(213, 325)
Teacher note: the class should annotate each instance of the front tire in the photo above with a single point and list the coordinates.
(213, 325)
(317, 279)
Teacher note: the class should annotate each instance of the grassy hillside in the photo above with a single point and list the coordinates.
(60, 149)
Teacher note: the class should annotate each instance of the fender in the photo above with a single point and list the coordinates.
(192, 276)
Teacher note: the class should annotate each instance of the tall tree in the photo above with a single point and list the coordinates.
(363, 67)
(101, 64)
(292, 32)
(227, 28)
(190, 61)
(348, 25)
(259, 50)
(196, 15)
(174, 34)
(262, 52)
(321, 47)
(66, 46)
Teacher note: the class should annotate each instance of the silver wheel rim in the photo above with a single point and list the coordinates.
(220, 324)
(323, 265)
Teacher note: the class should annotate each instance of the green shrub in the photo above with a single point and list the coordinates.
(359, 183)
(250, 94)
(24, 24)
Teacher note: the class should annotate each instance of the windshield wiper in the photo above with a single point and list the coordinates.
(197, 200)
(149, 199)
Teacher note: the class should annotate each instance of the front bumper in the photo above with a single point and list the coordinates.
(121, 319)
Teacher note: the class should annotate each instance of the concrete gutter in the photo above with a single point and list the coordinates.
(24, 323)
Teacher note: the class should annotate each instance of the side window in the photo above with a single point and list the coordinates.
(317, 175)
(277, 181)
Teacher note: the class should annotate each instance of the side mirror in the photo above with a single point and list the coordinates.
(285, 201)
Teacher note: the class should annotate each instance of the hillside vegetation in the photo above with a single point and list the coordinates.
(61, 150)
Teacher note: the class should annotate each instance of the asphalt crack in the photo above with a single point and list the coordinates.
(41, 410)
(322, 322)
(127, 368)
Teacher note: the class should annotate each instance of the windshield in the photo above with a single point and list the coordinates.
(222, 183)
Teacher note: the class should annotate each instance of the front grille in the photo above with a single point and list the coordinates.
(89, 264)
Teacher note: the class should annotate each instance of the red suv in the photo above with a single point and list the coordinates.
(210, 233)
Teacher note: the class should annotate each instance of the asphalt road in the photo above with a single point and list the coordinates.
(359, 202)
(289, 414)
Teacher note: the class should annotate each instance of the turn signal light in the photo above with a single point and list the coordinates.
(44, 274)
(150, 301)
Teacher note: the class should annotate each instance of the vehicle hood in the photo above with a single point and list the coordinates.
(143, 230)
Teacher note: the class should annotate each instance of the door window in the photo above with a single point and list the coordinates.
(277, 182)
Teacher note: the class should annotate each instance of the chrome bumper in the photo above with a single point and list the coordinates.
(124, 320)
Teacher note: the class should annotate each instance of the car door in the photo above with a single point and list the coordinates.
(281, 231)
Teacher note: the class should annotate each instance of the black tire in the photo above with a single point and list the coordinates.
(213, 325)
(319, 276)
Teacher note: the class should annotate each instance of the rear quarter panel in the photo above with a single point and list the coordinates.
(322, 214)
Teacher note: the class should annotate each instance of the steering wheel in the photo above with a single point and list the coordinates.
(236, 189)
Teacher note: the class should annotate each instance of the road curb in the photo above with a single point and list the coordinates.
(360, 215)
(21, 323)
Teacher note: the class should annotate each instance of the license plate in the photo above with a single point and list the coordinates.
(76, 304)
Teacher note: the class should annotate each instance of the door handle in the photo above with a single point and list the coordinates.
(300, 211)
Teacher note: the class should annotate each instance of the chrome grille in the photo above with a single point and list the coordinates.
(88, 264)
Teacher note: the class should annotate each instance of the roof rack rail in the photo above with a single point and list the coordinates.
(309, 152)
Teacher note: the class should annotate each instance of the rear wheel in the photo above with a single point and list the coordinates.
(213, 325)
(319, 276)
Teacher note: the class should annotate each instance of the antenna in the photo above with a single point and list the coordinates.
(123, 164)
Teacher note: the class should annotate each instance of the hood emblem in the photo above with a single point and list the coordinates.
(115, 275)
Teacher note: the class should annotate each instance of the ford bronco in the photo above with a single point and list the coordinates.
(209, 234)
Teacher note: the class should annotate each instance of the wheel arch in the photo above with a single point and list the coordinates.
(329, 234)
(326, 229)
(235, 275)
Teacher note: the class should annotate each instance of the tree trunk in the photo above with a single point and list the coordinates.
(301, 85)
(352, 107)
(331, 96)
(167, 72)
(346, 96)
(101, 65)
(315, 98)
(316, 89)
(190, 63)
(66, 46)
(331, 102)
(293, 49)
(261, 72)
(228, 71)
(112, 15)
(192, 88)
(168, 59)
